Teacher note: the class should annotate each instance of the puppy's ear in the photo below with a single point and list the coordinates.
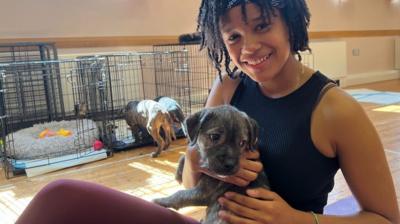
(253, 133)
(193, 124)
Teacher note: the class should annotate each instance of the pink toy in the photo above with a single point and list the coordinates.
(97, 145)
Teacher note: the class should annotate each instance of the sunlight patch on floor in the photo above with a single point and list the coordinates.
(11, 206)
(167, 163)
(391, 108)
(160, 183)
(152, 170)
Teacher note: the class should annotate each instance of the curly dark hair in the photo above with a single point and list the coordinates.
(295, 14)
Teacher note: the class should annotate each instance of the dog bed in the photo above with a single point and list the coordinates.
(28, 145)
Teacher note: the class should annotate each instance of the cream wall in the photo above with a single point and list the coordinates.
(88, 18)
(365, 56)
(76, 18)
(375, 54)
(332, 15)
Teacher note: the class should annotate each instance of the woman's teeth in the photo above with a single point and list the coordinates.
(258, 61)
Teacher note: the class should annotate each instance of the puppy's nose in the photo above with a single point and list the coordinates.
(226, 162)
(229, 164)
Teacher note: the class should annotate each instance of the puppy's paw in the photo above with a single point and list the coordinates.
(163, 202)
(155, 154)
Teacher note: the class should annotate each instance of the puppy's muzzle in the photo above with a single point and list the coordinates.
(224, 163)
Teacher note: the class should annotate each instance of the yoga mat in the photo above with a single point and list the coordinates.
(345, 206)
(377, 97)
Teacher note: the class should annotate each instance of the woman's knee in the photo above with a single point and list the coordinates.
(59, 187)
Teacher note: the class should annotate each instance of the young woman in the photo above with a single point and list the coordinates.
(309, 127)
(309, 130)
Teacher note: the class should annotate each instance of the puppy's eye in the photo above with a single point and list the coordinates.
(243, 143)
(214, 137)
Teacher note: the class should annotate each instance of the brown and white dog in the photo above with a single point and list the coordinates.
(153, 117)
(174, 110)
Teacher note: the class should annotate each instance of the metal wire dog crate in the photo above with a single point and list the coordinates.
(93, 91)
(176, 73)
(27, 51)
(37, 95)
(200, 71)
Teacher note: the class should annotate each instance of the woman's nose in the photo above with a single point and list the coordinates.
(250, 45)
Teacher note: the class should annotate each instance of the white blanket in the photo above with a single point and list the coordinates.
(28, 145)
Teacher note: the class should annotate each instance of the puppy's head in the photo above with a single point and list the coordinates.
(221, 135)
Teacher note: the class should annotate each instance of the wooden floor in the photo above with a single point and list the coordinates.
(134, 172)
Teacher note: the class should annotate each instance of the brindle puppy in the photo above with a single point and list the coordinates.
(221, 135)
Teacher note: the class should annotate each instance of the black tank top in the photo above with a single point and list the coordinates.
(297, 171)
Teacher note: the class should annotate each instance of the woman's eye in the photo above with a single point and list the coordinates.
(233, 37)
(262, 27)
(243, 143)
(214, 137)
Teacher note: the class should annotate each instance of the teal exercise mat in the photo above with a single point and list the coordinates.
(345, 206)
(373, 96)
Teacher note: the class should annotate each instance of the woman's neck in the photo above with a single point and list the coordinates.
(293, 75)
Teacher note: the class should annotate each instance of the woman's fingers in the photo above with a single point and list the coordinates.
(251, 165)
(247, 174)
(240, 208)
(248, 171)
(252, 154)
(262, 193)
(237, 208)
(230, 217)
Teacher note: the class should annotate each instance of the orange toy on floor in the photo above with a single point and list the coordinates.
(49, 133)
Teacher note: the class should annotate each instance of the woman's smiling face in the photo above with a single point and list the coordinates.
(258, 47)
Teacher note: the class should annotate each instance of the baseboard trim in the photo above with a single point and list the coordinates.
(363, 78)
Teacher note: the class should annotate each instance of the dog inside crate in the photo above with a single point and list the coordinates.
(166, 72)
(143, 76)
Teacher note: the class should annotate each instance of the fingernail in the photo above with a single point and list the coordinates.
(251, 191)
(228, 194)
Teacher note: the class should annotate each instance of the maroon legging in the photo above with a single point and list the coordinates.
(71, 201)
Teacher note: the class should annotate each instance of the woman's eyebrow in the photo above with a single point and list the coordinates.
(225, 24)
(226, 27)
(255, 19)
(258, 19)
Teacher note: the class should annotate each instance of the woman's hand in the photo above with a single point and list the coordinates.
(250, 166)
(258, 206)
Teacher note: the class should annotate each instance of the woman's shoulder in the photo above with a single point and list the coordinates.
(339, 111)
(222, 90)
(336, 116)
(339, 103)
